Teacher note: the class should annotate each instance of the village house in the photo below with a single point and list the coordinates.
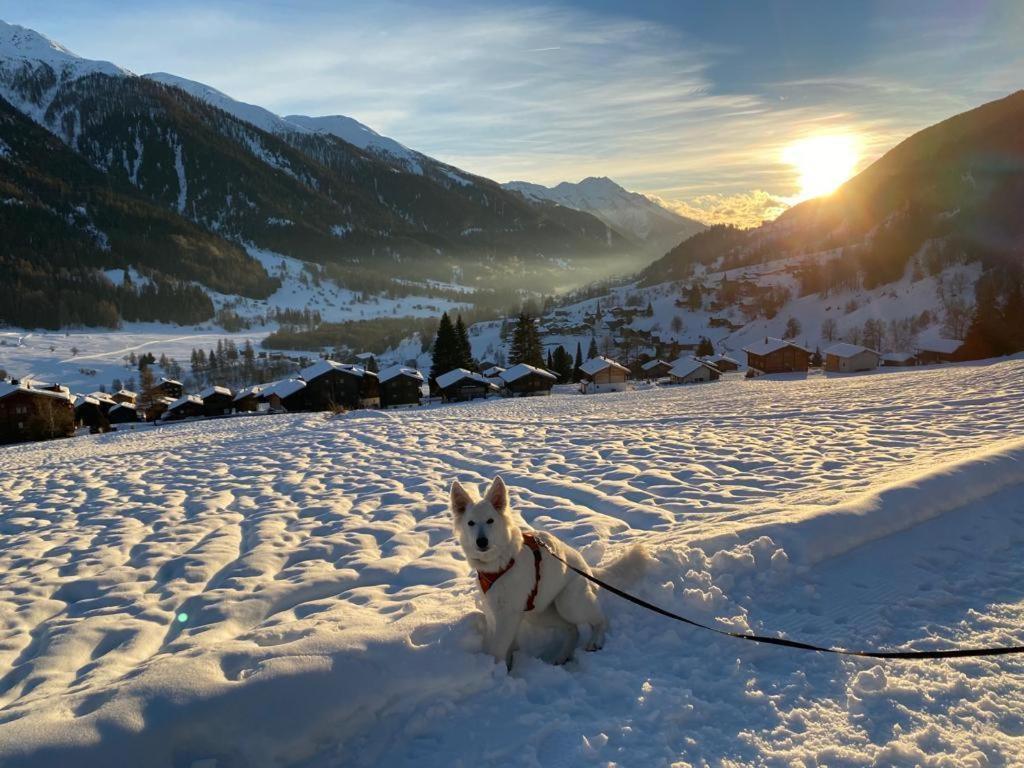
(27, 413)
(124, 396)
(492, 371)
(217, 401)
(722, 362)
(185, 407)
(400, 385)
(287, 395)
(601, 374)
(123, 413)
(170, 388)
(88, 414)
(459, 384)
(847, 358)
(777, 356)
(655, 369)
(248, 400)
(331, 385)
(939, 351)
(690, 370)
(898, 359)
(521, 380)
(156, 408)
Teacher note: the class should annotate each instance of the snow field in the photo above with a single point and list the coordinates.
(285, 591)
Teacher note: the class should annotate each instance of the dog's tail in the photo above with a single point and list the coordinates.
(627, 568)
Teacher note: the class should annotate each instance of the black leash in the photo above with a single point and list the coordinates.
(953, 654)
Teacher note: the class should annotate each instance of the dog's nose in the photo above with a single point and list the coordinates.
(481, 543)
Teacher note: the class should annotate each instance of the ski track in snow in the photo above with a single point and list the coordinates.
(329, 619)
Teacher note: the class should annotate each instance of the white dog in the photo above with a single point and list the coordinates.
(519, 577)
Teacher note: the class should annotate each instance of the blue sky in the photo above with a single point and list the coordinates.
(694, 102)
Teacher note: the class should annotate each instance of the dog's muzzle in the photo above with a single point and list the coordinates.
(481, 544)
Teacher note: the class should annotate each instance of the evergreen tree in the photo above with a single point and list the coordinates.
(551, 362)
(578, 362)
(463, 348)
(445, 350)
(592, 349)
(561, 363)
(705, 347)
(526, 343)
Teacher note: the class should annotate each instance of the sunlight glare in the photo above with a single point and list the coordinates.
(823, 162)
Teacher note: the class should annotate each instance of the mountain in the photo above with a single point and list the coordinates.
(371, 214)
(630, 213)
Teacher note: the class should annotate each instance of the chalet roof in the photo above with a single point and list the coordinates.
(214, 390)
(255, 389)
(842, 349)
(721, 359)
(184, 400)
(399, 370)
(684, 366)
(492, 371)
(770, 345)
(942, 346)
(85, 400)
(321, 367)
(284, 388)
(126, 393)
(650, 365)
(6, 388)
(597, 364)
(445, 380)
(126, 406)
(170, 381)
(519, 370)
(102, 397)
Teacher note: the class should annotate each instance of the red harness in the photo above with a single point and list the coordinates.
(487, 579)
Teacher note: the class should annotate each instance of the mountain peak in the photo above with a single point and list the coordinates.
(27, 45)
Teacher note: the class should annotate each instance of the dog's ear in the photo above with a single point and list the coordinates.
(497, 494)
(460, 499)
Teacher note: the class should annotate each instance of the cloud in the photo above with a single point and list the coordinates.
(745, 209)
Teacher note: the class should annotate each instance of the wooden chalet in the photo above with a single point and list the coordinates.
(28, 413)
(248, 400)
(521, 380)
(400, 385)
(601, 374)
(287, 395)
(722, 362)
(939, 351)
(655, 369)
(185, 407)
(459, 384)
(690, 370)
(89, 414)
(123, 413)
(898, 360)
(217, 401)
(331, 385)
(124, 396)
(777, 356)
(156, 408)
(848, 358)
(170, 388)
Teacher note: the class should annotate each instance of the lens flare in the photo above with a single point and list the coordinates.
(823, 162)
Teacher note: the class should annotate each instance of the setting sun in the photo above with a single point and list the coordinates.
(823, 162)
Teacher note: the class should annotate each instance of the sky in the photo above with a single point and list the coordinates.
(699, 104)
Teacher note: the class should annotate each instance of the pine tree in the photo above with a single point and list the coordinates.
(463, 348)
(526, 343)
(578, 362)
(551, 362)
(592, 349)
(445, 349)
(561, 363)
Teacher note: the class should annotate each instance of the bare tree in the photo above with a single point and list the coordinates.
(829, 329)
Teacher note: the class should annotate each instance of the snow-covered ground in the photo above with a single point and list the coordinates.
(285, 591)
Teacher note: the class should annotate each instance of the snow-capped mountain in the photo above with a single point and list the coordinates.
(627, 212)
(355, 133)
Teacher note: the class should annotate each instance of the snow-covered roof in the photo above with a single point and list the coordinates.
(184, 400)
(214, 390)
(321, 367)
(125, 393)
(255, 389)
(85, 400)
(445, 380)
(399, 370)
(597, 364)
(842, 349)
(284, 388)
(493, 371)
(170, 381)
(6, 388)
(126, 406)
(652, 364)
(102, 397)
(942, 346)
(684, 366)
(721, 359)
(519, 370)
(769, 345)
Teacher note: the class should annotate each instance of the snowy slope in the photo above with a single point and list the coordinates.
(628, 212)
(354, 132)
(285, 591)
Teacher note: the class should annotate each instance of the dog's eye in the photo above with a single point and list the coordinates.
(490, 521)
(471, 523)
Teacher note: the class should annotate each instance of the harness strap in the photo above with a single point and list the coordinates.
(487, 579)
